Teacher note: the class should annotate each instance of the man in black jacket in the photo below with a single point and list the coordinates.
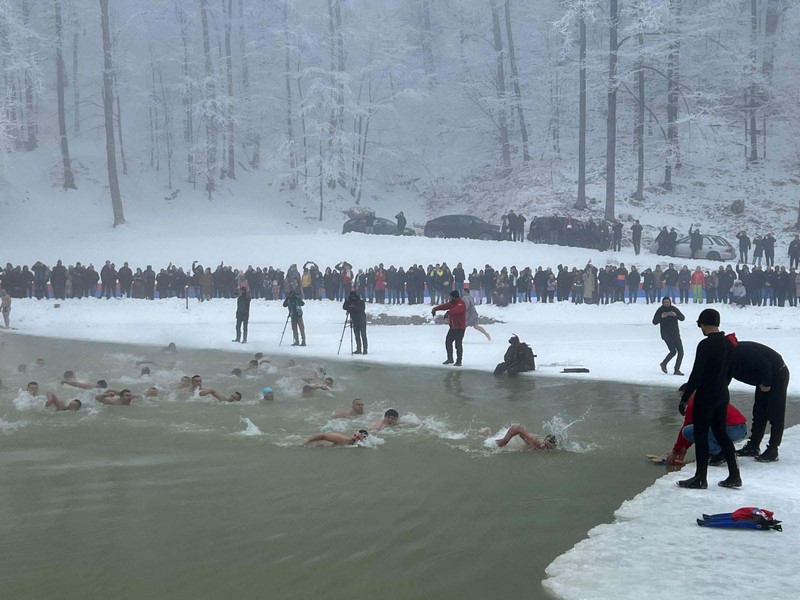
(355, 307)
(759, 365)
(242, 315)
(667, 317)
(711, 374)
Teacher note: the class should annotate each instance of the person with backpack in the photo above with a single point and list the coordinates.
(518, 358)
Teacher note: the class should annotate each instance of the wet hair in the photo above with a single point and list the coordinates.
(101, 383)
(145, 371)
(259, 355)
(551, 439)
(22, 368)
(78, 401)
(253, 363)
(172, 346)
(329, 380)
(237, 372)
(364, 432)
(196, 376)
(30, 383)
(69, 375)
(121, 392)
(238, 394)
(391, 413)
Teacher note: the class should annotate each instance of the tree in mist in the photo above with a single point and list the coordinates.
(500, 84)
(69, 178)
(108, 113)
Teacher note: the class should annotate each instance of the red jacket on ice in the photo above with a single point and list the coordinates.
(734, 418)
(456, 313)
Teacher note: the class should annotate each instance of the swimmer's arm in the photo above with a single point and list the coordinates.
(110, 397)
(379, 425)
(79, 384)
(319, 437)
(214, 393)
(341, 414)
(53, 400)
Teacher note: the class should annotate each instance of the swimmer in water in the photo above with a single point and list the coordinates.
(314, 384)
(114, 398)
(236, 372)
(337, 439)
(152, 392)
(531, 441)
(390, 418)
(32, 388)
(252, 365)
(357, 409)
(69, 379)
(196, 383)
(234, 397)
(145, 372)
(185, 383)
(53, 400)
(267, 394)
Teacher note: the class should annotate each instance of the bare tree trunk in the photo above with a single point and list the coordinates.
(340, 67)
(500, 84)
(121, 145)
(580, 202)
(108, 112)
(673, 76)
(76, 89)
(167, 128)
(229, 75)
(186, 96)
(210, 108)
(30, 103)
(515, 81)
(611, 118)
(302, 125)
(288, 78)
(69, 179)
(639, 126)
(427, 44)
(753, 87)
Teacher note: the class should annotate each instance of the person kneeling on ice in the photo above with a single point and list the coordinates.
(337, 439)
(531, 441)
(518, 358)
(735, 425)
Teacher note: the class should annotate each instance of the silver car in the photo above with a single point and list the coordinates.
(715, 247)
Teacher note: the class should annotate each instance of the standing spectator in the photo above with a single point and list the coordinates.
(744, 246)
(616, 242)
(758, 250)
(242, 315)
(667, 317)
(672, 240)
(369, 222)
(108, 278)
(125, 276)
(521, 227)
(684, 284)
(711, 287)
(459, 277)
(636, 236)
(457, 318)
(356, 308)
(698, 282)
(40, 274)
(647, 285)
(5, 308)
(633, 281)
(401, 223)
(380, 285)
(295, 305)
(794, 252)
(695, 241)
(769, 249)
(662, 241)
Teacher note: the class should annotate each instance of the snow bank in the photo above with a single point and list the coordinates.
(655, 549)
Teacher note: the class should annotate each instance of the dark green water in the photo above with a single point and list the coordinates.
(170, 498)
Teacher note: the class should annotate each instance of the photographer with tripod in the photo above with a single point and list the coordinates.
(294, 303)
(354, 305)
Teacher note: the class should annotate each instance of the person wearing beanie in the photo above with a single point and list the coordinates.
(667, 317)
(709, 379)
(356, 308)
(457, 317)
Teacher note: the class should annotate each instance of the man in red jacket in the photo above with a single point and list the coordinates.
(457, 317)
(735, 425)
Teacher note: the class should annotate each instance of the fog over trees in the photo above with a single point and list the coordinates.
(350, 97)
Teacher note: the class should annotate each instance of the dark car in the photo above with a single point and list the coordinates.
(380, 226)
(461, 226)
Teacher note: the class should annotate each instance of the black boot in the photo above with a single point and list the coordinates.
(768, 455)
(749, 449)
(695, 483)
(449, 361)
(733, 481)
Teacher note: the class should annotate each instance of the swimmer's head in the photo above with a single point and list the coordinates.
(33, 388)
(236, 372)
(145, 372)
(39, 362)
(197, 381)
(329, 381)
(22, 368)
(236, 396)
(390, 416)
(550, 441)
(126, 395)
(74, 404)
(152, 392)
(359, 436)
(358, 406)
(185, 381)
(253, 364)
(267, 393)
(172, 347)
(259, 355)
(102, 383)
(68, 376)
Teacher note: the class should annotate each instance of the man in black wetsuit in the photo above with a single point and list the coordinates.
(711, 374)
(667, 317)
(242, 315)
(759, 365)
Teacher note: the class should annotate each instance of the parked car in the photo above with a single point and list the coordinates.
(566, 231)
(381, 226)
(461, 226)
(715, 247)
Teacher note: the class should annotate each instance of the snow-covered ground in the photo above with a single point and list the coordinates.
(656, 550)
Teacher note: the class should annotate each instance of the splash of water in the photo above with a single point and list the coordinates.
(251, 429)
(559, 426)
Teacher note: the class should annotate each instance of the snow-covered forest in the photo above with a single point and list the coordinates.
(540, 105)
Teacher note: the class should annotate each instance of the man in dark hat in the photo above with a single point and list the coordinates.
(711, 374)
(457, 317)
(518, 358)
(355, 307)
